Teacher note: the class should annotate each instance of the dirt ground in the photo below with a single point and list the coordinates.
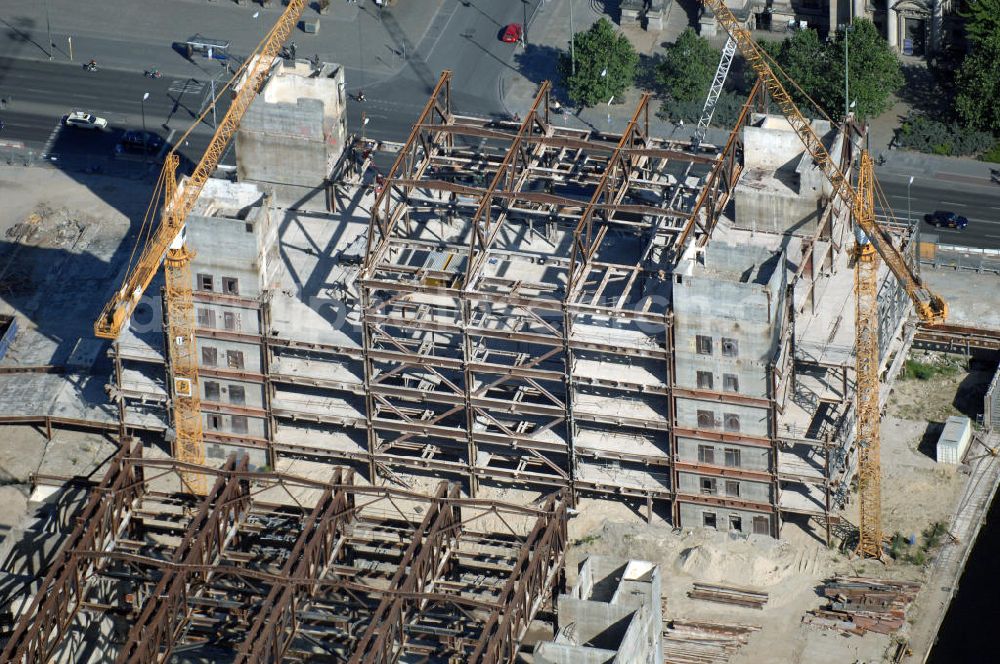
(789, 570)
(957, 390)
(916, 490)
(64, 239)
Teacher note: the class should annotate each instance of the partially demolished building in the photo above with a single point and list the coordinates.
(524, 305)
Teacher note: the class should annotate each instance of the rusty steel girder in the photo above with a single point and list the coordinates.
(421, 565)
(531, 584)
(41, 628)
(317, 547)
(212, 592)
(207, 534)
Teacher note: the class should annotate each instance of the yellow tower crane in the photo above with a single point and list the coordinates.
(166, 243)
(873, 243)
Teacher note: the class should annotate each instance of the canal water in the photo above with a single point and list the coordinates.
(969, 632)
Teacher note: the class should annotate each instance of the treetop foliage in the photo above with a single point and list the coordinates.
(606, 64)
(817, 67)
(688, 67)
(982, 19)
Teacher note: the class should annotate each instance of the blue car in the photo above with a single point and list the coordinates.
(942, 219)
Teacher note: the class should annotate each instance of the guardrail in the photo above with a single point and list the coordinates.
(958, 339)
(977, 259)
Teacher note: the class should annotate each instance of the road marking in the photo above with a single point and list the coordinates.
(185, 86)
(50, 141)
(440, 34)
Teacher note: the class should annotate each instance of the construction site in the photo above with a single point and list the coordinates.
(504, 401)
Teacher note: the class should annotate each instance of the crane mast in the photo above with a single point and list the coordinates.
(708, 110)
(167, 244)
(866, 366)
(873, 243)
(930, 307)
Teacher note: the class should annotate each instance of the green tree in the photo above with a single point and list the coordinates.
(978, 82)
(606, 64)
(688, 67)
(982, 19)
(875, 70)
(817, 68)
(807, 61)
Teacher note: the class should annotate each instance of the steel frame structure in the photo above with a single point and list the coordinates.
(474, 375)
(269, 567)
(470, 372)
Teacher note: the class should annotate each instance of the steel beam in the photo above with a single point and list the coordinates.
(317, 547)
(423, 563)
(530, 585)
(41, 628)
(207, 535)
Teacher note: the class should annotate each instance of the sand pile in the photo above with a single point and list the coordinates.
(738, 565)
(709, 556)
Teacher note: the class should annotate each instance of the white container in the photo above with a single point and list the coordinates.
(954, 440)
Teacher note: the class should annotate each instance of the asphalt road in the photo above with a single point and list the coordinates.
(465, 38)
(462, 36)
(980, 204)
(44, 92)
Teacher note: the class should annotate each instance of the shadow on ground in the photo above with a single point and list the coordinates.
(928, 441)
(929, 90)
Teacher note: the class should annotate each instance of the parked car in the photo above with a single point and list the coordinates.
(84, 121)
(943, 219)
(512, 33)
(136, 140)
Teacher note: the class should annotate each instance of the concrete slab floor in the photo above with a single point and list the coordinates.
(967, 295)
(24, 450)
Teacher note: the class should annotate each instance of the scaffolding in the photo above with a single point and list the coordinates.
(271, 567)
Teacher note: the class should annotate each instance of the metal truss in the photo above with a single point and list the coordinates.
(501, 255)
(269, 568)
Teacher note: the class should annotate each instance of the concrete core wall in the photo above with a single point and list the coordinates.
(611, 616)
(295, 131)
(781, 189)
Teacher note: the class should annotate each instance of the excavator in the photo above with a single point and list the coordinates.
(165, 243)
(872, 243)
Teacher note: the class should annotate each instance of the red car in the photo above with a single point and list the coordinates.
(512, 33)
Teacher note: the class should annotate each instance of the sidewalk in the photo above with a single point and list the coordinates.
(958, 170)
(549, 31)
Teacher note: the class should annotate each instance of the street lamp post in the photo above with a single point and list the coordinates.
(48, 29)
(908, 219)
(361, 52)
(847, 69)
(142, 110)
(215, 122)
(524, 23)
(572, 35)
